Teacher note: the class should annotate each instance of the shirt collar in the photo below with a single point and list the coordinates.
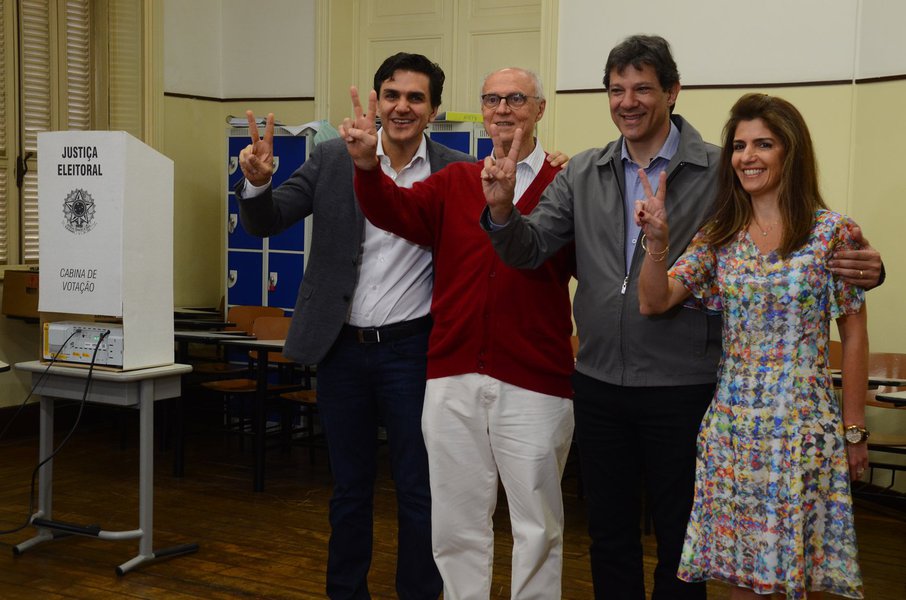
(671, 145)
(421, 153)
(535, 159)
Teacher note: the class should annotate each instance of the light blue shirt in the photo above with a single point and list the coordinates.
(634, 190)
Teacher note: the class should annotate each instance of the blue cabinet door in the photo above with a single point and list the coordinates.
(244, 277)
(284, 275)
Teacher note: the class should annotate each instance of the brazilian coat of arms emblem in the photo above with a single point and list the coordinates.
(78, 211)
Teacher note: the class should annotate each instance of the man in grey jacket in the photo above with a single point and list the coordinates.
(362, 316)
(641, 383)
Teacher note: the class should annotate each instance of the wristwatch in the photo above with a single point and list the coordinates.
(855, 434)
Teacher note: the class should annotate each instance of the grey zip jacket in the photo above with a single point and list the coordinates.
(618, 345)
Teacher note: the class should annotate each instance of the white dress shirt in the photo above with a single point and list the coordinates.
(396, 277)
(527, 169)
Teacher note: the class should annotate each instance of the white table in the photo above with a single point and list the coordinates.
(897, 399)
(138, 389)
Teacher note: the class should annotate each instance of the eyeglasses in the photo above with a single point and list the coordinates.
(514, 100)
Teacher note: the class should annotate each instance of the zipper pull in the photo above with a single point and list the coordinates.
(625, 283)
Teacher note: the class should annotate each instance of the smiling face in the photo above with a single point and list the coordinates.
(404, 105)
(757, 158)
(508, 119)
(640, 108)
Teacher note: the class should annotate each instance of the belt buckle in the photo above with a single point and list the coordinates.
(370, 335)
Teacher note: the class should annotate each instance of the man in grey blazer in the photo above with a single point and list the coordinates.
(362, 316)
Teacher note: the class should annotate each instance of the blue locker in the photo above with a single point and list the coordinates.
(284, 275)
(250, 258)
(244, 277)
(458, 140)
(289, 154)
(484, 147)
(459, 135)
(237, 236)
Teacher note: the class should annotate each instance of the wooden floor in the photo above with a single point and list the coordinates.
(265, 545)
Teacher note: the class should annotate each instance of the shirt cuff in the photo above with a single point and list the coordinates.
(250, 190)
(489, 225)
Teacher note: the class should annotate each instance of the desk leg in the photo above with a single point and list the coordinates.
(177, 425)
(45, 477)
(260, 421)
(146, 468)
(146, 551)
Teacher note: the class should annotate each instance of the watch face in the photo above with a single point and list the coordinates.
(854, 435)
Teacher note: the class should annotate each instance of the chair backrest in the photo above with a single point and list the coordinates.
(880, 364)
(271, 328)
(834, 354)
(887, 364)
(244, 316)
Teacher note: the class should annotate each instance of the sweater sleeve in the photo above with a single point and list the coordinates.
(411, 213)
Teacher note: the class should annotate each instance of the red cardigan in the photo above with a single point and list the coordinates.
(511, 324)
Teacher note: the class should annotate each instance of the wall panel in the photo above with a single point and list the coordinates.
(468, 38)
(487, 51)
(720, 41)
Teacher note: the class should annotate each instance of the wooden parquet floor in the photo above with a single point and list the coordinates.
(268, 545)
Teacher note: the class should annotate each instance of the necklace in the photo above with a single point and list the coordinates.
(764, 232)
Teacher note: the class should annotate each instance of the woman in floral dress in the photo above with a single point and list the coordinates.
(772, 511)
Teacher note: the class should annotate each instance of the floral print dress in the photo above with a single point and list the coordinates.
(772, 509)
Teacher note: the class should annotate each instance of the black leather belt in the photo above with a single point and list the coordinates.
(387, 333)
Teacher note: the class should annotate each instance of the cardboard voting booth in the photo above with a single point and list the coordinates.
(105, 204)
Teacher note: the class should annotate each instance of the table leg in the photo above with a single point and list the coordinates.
(45, 476)
(176, 430)
(259, 424)
(146, 551)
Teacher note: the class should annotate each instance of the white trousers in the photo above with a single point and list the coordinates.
(475, 427)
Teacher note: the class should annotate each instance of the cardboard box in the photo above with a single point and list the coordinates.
(20, 294)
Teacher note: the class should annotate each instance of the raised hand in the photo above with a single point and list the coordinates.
(657, 291)
(651, 214)
(257, 159)
(498, 178)
(360, 132)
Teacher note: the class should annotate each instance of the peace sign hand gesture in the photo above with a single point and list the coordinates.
(257, 159)
(651, 215)
(498, 178)
(360, 132)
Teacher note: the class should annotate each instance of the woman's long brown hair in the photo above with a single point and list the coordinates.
(799, 195)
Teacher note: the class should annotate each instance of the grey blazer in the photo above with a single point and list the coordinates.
(322, 187)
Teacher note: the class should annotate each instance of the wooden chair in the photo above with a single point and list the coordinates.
(886, 421)
(887, 368)
(834, 355)
(243, 317)
(304, 404)
(239, 393)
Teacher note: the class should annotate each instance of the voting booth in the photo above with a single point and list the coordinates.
(105, 203)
